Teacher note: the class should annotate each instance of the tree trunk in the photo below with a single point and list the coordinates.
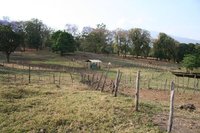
(8, 57)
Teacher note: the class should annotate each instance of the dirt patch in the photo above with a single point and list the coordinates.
(184, 121)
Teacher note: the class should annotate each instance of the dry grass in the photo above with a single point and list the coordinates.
(30, 108)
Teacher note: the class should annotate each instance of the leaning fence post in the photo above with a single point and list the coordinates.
(99, 81)
(170, 122)
(137, 91)
(102, 88)
(29, 74)
(117, 80)
(73, 78)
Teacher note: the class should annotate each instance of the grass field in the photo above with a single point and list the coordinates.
(45, 106)
(31, 108)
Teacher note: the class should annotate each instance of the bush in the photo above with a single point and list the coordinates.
(191, 61)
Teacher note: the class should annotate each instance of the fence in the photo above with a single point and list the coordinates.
(31, 73)
(20, 72)
(127, 82)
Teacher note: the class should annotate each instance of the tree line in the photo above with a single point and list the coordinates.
(136, 41)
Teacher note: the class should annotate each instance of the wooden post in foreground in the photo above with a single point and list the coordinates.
(137, 91)
(170, 122)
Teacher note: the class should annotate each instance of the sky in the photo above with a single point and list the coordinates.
(175, 17)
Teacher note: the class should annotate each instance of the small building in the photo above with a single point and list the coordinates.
(93, 64)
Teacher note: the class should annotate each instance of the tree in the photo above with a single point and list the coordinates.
(37, 33)
(191, 61)
(63, 42)
(165, 47)
(140, 41)
(95, 40)
(122, 41)
(72, 29)
(17, 27)
(9, 40)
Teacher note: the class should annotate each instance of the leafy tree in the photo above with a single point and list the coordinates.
(140, 41)
(37, 33)
(191, 61)
(9, 40)
(184, 49)
(95, 40)
(63, 42)
(17, 27)
(165, 47)
(122, 41)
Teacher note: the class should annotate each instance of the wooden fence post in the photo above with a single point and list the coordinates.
(117, 80)
(54, 78)
(148, 86)
(183, 83)
(165, 86)
(137, 91)
(29, 74)
(102, 88)
(195, 79)
(73, 78)
(99, 81)
(92, 80)
(188, 82)
(59, 77)
(170, 122)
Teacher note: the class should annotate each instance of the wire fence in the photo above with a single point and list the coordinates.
(31, 73)
(20, 72)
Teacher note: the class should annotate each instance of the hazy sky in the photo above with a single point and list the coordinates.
(175, 17)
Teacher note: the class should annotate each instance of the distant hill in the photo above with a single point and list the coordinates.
(154, 34)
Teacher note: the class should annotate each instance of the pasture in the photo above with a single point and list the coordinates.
(43, 92)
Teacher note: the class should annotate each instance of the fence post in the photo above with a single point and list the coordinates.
(183, 83)
(59, 77)
(165, 87)
(117, 80)
(54, 78)
(73, 78)
(102, 88)
(93, 75)
(170, 122)
(195, 83)
(99, 81)
(148, 86)
(137, 91)
(29, 74)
